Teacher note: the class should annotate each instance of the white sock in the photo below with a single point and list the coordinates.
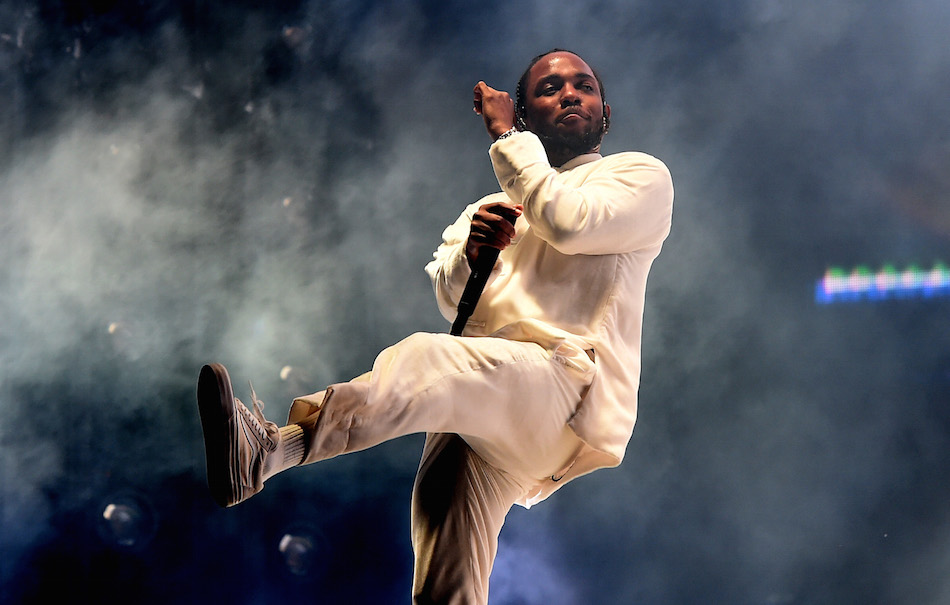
(290, 451)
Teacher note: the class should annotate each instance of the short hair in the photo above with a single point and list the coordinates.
(521, 93)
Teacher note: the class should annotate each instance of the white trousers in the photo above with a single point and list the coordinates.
(496, 415)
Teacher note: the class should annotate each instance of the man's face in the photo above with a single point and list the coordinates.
(563, 105)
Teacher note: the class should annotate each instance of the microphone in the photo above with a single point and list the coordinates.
(476, 283)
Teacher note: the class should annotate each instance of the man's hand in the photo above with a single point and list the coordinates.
(491, 229)
(496, 108)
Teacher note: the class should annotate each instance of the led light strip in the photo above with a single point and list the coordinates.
(861, 284)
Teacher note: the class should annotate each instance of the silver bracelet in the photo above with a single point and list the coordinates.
(507, 133)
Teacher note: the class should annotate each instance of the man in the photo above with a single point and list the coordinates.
(542, 386)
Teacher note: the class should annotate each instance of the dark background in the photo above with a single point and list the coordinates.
(186, 181)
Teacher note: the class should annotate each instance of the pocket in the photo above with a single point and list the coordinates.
(576, 358)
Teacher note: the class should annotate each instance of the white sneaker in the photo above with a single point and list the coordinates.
(236, 440)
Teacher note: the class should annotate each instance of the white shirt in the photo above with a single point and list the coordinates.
(576, 271)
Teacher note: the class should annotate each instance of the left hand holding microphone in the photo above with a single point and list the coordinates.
(493, 226)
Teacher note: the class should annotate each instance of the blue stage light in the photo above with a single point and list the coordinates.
(863, 285)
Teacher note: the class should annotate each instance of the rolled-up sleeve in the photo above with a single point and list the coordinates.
(623, 206)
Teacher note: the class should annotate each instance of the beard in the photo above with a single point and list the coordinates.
(569, 145)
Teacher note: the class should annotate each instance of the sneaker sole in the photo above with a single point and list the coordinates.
(216, 408)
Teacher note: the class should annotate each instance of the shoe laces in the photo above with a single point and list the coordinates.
(256, 418)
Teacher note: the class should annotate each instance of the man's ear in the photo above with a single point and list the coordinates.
(606, 117)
